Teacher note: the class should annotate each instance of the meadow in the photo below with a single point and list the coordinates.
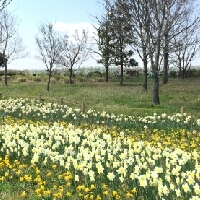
(98, 95)
(119, 146)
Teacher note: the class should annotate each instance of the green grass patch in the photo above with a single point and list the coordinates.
(113, 97)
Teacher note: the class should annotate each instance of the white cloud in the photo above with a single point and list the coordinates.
(70, 28)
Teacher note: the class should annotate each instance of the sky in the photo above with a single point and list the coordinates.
(68, 15)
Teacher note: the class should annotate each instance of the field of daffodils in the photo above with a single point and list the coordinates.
(51, 151)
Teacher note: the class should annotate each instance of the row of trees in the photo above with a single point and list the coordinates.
(54, 50)
(115, 39)
(161, 32)
(61, 50)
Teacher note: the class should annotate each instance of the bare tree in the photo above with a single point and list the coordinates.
(148, 23)
(140, 20)
(4, 3)
(75, 50)
(49, 48)
(181, 15)
(185, 46)
(153, 20)
(162, 20)
(11, 44)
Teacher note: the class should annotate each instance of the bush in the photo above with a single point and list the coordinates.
(21, 79)
(80, 79)
(116, 74)
(193, 73)
(37, 79)
(174, 73)
(97, 74)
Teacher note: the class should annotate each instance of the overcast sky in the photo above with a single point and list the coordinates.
(68, 14)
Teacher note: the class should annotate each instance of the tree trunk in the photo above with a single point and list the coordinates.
(70, 76)
(166, 58)
(106, 66)
(144, 85)
(107, 56)
(156, 100)
(166, 47)
(165, 68)
(179, 67)
(180, 72)
(6, 72)
(183, 73)
(122, 70)
(49, 80)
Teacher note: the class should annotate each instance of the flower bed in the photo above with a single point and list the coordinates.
(54, 152)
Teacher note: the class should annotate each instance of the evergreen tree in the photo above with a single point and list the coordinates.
(122, 36)
(116, 38)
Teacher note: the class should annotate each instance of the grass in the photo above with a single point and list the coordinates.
(128, 99)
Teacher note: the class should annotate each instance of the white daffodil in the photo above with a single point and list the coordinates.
(111, 176)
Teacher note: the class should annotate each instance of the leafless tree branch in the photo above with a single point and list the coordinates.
(49, 48)
(11, 44)
(75, 51)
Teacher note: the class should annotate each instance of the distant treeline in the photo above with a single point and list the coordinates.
(194, 72)
(13, 72)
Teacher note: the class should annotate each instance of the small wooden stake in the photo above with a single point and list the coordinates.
(183, 109)
(83, 108)
(40, 96)
(61, 101)
(1, 95)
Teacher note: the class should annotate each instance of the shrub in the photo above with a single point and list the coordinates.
(21, 79)
(173, 73)
(192, 73)
(37, 79)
